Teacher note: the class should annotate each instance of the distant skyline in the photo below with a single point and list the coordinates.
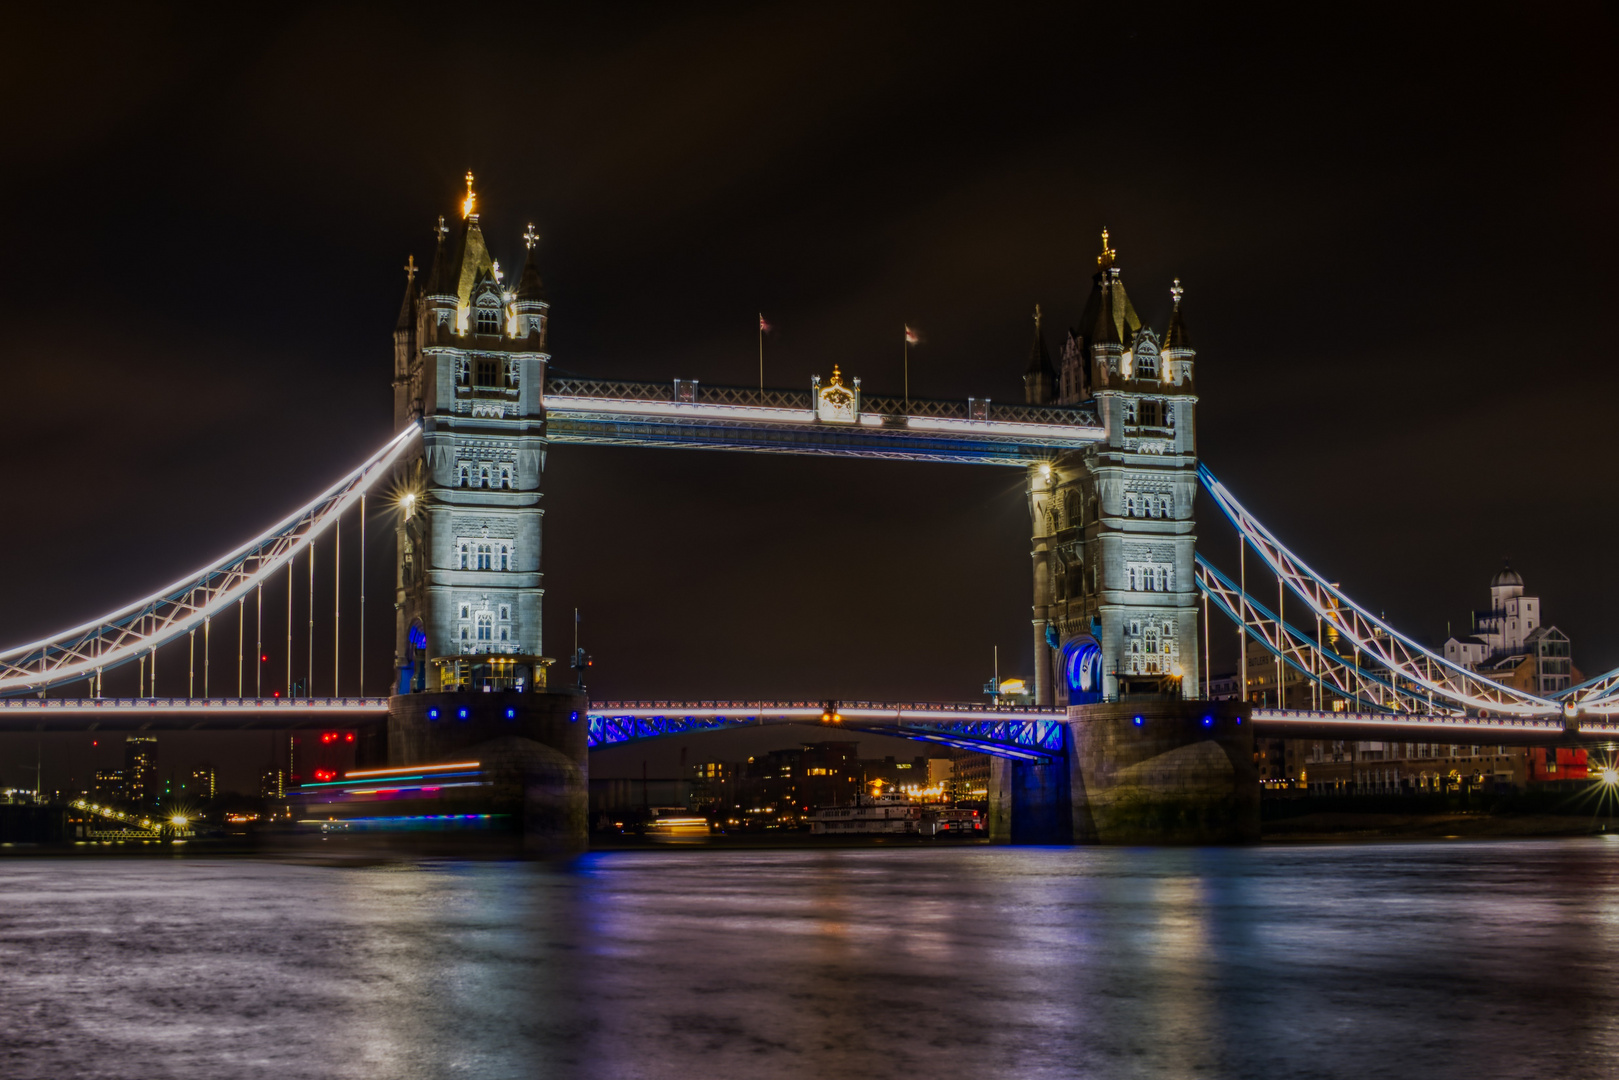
(1392, 235)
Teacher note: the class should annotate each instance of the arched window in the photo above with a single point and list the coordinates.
(463, 476)
(1130, 504)
(485, 557)
(486, 627)
(462, 565)
(505, 564)
(1070, 508)
(483, 477)
(488, 320)
(505, 478)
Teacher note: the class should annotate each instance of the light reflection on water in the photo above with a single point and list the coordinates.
(1434, 960)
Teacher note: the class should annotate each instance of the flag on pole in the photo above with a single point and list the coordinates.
(764, 327)
(911, 336)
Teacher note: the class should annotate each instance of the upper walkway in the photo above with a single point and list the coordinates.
(686, 414)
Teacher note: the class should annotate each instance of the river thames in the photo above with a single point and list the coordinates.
(1410, 960)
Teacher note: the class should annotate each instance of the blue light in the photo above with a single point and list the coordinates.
(418, 637)
(1137, 721)
(573, 718)
(1082, 668)
(432, 714)
(1208, 721)
(511, 714)
(462, 713)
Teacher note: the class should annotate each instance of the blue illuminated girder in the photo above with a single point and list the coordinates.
(1017, 740)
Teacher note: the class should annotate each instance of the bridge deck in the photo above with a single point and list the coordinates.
(685, 414)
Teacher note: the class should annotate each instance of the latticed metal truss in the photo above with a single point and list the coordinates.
(1599, 695)
(140, 628)
(1019, 734)
(1362, 687)
(1406, 665)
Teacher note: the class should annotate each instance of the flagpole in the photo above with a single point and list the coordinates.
(907, 371)
(761, 357)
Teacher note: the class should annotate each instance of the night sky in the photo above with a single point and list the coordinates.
(1394, 229)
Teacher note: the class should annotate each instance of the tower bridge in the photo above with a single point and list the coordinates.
(1120, 743)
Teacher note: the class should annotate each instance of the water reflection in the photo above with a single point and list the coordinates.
(1435, 960)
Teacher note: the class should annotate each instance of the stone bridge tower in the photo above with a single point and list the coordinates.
(1115, 604)
(471, 681)
(469, 363)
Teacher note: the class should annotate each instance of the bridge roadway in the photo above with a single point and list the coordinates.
(1015, 732)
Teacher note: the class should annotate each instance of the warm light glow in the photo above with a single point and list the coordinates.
(411, 769)
(1045, 472)
(178, 821)
(1609, 776)
(471, 201)
(1014, 686)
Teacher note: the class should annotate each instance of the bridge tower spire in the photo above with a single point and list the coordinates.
(1115, 601)
(470, 364)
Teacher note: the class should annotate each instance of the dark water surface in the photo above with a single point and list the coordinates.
(1411, 960)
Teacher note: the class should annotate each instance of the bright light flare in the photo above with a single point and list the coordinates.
(179, 821)
(1609, 776)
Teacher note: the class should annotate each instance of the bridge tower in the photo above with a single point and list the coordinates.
(469, 364)
(471, 680)
(1115, 603)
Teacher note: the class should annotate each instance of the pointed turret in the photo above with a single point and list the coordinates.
(1039, 378)
(407, 309)
(529, 305)
(1178, 352)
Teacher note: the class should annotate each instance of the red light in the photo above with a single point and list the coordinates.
(265, 658)
(276, 694)
(350, 737)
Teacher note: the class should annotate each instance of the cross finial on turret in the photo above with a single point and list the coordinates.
(1037, 317)
(1177, 292)
(441, 230)
(530, 237)
(1105, 260)
(471, 201)
(410, 268)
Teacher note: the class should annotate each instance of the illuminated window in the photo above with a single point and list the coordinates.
(486, 627)
(485, 557)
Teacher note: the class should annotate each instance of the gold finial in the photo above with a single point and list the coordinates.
(1037, 318)
(442, 230)
(471, 200)
(836, 379)
(410, 269)
(530, 237)
(1105, 259)
(1177, 292)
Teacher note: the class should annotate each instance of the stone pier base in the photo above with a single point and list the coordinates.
(532, 746)
(1163, 772)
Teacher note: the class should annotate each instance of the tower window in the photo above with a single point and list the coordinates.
(505, 613)
(462, 479)
(505, 478)
(488, 321)
(461, 564)
(466, 610)
(505, 564)
(486, 373)
(485, 557)
(486, 627)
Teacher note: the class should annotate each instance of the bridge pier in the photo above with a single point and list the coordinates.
(1136, 772)
(532, 746)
